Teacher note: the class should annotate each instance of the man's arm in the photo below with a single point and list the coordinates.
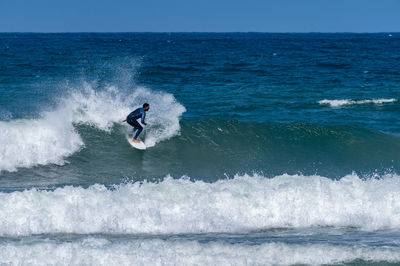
(143, 117)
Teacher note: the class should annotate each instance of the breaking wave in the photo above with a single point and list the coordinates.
(344, 102)
(101, 251)
(52, 137)
(175, 206)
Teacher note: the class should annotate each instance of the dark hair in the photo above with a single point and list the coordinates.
(145, 105)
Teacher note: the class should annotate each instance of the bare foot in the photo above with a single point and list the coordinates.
(136, 141)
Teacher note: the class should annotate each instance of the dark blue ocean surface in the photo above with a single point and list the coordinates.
(254, 102)
(284, 143)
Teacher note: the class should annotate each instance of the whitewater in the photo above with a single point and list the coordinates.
(179, 206)
(97, 250)
(245, 220)
(347, 102)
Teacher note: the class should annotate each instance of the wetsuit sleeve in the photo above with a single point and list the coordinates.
(143, 117)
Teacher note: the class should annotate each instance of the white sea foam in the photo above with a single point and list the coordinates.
(29, 142)
(100, 251)
(242, 204)
(339, 103)
(52, 137)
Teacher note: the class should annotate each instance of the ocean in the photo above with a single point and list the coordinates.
(263, 149)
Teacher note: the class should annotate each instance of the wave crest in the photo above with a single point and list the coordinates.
(243, 204)
(344, 102)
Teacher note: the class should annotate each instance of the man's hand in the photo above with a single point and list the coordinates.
(144, 123)
(124, 120)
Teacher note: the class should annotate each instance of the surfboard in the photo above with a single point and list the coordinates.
(139, 146)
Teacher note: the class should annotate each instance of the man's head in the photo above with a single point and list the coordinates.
(146, 106)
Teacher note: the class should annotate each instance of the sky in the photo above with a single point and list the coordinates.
(199, 16)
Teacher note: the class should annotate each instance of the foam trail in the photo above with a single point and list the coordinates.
(100, 251)
(243, 204)
(52, 137)
(339, 103)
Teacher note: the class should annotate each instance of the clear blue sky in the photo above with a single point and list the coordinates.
(199, 15)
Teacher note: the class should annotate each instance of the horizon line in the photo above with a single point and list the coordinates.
(267, 32)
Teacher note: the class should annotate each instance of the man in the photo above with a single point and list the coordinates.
(131, 119)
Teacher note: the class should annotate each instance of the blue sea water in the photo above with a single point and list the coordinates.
(262, 149)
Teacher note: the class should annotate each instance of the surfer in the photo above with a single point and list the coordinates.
(131, 119)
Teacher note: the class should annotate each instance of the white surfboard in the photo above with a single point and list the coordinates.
(139, 146)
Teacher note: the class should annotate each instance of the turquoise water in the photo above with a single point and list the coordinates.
(263, 148)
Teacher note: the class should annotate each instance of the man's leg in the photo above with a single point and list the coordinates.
(131, 123)
(136, 126)
(139, 130)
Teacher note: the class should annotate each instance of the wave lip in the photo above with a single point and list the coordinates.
(100, 251)
(343, 102)
(178, 206)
